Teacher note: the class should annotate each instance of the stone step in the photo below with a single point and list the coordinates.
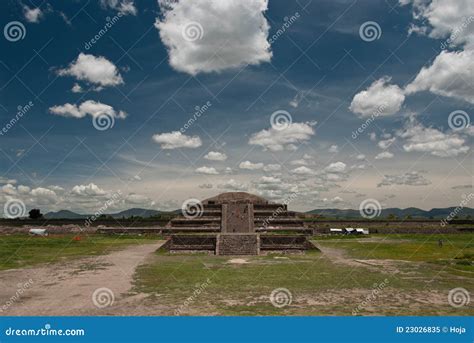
(192, 242)
(191, 229)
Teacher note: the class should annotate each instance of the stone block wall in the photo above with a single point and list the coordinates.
(238, 244)
(192, 242)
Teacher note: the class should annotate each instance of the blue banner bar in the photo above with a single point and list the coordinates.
(236, 329)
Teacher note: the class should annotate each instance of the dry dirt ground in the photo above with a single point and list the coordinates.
(339, 256)
(64, 289)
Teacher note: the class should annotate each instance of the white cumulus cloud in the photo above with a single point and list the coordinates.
(175, 139)
(250, 165)
(233, 185)
(450, 75)
(9, 189)
(303, 171)
(215, 156)
(95, 70)
(336, 167)
(408, 179)
(90, 107)
(44, 196)
(384, 155)
(271, 167)
(444, 19)
(214, 35)
(207, 170)
(278, 140)
(451, 72)
(88, 190)
(77, 88)
(23, 189)
(385, 144)
(124, 7)
(427, 139)
(5, 180)
(380, 99)
(138, 199)
(32, 15)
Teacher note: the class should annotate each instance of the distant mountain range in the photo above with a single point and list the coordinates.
(133, 212)
(435, 213)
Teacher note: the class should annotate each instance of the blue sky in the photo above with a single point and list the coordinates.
(308, 61)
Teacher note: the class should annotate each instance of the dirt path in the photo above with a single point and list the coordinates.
(339, 256)
(67, 288)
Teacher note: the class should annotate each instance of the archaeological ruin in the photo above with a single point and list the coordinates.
(237, 223)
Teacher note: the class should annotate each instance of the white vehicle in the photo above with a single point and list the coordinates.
(349, 230)
(356, 231)
(362, 231)
(38, 232)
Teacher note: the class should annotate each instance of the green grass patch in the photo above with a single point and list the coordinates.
(340, 236)
(244, 289)
(407, 247)
(17, 251)
(318, 285)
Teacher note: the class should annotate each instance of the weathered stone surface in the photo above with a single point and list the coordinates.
(192, 242)
(239, 217)
(235, 197)
(238, 244)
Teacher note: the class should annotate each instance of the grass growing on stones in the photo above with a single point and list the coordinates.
(17, 251)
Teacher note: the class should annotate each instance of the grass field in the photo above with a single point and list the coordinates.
(407, 246)
(17, 251)
(411, 275)
(456, 252)
(374, 275)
